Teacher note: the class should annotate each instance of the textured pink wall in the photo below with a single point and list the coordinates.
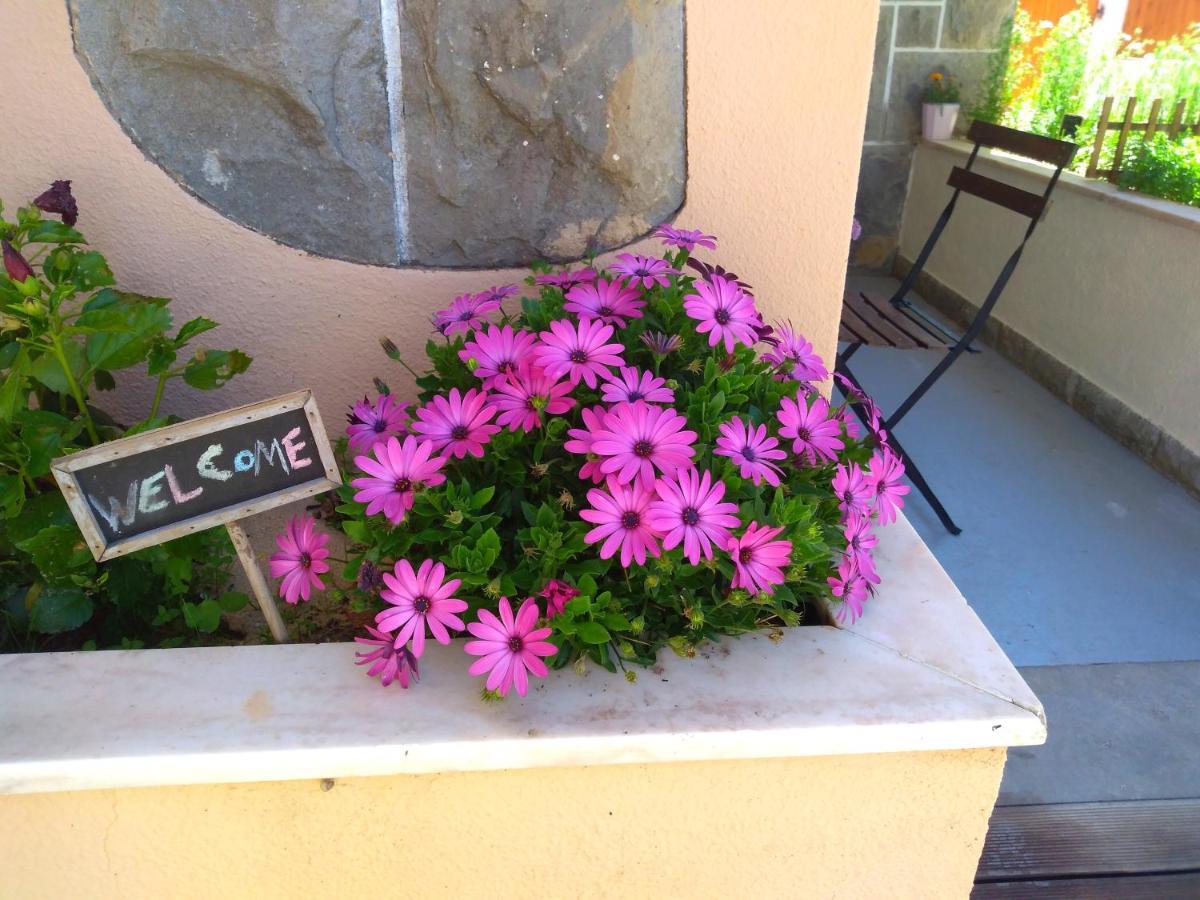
(777, 95)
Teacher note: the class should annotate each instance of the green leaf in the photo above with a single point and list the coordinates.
(161, 357)
(59, 609)
(12, 495)
(57, 551)
(210, 369)
(204, 616)
(12, 391)
(48, 231)
(124, 332)
(47, 370)
(233, 601)
(592, 633)
(189, 330)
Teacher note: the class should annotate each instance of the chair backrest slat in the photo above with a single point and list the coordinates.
(1034, 146)
(1014, 198)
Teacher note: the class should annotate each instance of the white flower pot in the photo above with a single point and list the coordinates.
(937, 120)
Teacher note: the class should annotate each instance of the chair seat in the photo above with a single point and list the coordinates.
(877, 323)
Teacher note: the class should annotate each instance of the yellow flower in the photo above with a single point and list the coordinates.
(936, 76)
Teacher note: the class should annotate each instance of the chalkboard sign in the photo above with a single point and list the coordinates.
(153, 487)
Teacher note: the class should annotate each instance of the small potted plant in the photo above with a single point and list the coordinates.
(939, 109)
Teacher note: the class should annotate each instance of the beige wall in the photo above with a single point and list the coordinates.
(891, 825)
(776, 103)
(1108, 285)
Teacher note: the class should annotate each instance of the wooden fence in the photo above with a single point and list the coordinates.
(1172, 128)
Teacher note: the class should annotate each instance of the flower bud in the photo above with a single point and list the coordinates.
(580, 666)
(651, 582)
(58, 200)
(381, 386)
(15, 265)
(389, 348)
(626, 649)
(796, 573)
(472, 364)
(454, 517)
(631, 676)
(492, 588)
(637, 625)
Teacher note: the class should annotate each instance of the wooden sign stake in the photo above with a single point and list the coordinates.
(258, 584)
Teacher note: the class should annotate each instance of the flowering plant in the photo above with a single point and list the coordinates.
(631, 454)
(941, 88)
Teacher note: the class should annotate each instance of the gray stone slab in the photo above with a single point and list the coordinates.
(1073, 549)
(876, 101)
(274, 114)
(917, 26)
(521, 130)
(975, 24)
(1116, 732)
(882, 188)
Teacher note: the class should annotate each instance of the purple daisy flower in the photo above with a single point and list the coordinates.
(725, 313)
(582, 440)
(464, 314)
(369, 423)
(851, 488)
(681, 237)
(707, 271)
(850, 587)
(389, 662)
(638, 438)
(758, 558)
(523, 398)
(497, 352)
(612, 302)
(661, 344)
(632, 385)
(883, 478)
(566, 279)
(644, 270)
(578, 351)
(815, 435)
(794, 357)
(689, 510)
(752, 449)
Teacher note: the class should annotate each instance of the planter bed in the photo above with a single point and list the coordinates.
(919, 672)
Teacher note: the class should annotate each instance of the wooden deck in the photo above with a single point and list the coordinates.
(1133, 849)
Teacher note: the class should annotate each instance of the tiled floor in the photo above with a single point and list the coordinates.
(1076, 555)
(1073, 550)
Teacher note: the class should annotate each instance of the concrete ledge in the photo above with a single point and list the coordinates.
(1161, 450)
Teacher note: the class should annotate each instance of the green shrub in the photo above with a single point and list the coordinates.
(1166, 169)
(64, 330)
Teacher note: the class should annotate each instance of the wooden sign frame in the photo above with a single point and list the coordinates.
(64, 470)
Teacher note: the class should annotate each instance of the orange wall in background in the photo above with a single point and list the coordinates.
(1157, 19)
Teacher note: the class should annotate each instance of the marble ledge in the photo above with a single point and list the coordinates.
(918, 672)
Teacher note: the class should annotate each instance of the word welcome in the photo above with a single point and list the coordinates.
(164, 489)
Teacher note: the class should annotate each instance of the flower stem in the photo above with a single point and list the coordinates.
(61, 356)
(158, 395)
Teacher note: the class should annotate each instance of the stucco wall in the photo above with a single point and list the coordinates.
(890, 825)
(773, 154)
(1107, 286)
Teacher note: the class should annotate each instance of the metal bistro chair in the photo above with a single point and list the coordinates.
(897, 323)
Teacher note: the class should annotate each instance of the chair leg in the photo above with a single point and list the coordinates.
(910, 468)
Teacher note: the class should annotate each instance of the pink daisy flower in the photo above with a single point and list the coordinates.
(883, 479)
(458, 424)
(389, 662)
(419, 599)
(577, 351)
(794, 356)
(644, 270)
(815, 435)
(707, 271)
(564, 281)
(369, 423)
(522, 398)
(850, 587)
(758, 558)
(581, 441)
(300, 560)
(612, 302)
(622, 518)
(681, 237)
(631, 385)
(465, 313)
(752, 449)
(498, 294)
(852, 490)
(510, 647)
(638, 438)
(846, 416)
(725, 313)
(394, 475)
(689, 511)
(860, 542)
(557, 594)
(497, 352)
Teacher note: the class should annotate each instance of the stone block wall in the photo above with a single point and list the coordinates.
(914, 38)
